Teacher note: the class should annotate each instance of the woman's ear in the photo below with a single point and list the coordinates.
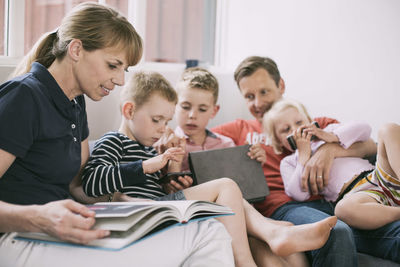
(128, 109)
(75, 49)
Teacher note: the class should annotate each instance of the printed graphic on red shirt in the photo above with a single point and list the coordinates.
(255, 138)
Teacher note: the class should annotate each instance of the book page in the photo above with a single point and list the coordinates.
(130, 221)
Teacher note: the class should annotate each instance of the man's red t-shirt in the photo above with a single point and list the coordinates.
(250, 131)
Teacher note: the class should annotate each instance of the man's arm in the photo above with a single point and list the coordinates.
(317, 169)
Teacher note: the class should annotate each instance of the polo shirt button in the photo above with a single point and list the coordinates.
(75, 139)
(73, 126)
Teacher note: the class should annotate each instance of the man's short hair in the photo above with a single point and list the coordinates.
(249, 65)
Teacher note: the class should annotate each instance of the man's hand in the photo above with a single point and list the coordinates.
(316, 171)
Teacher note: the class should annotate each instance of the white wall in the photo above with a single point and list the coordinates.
(341, 58)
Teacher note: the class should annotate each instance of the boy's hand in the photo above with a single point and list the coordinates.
(176, 166)
(167, 140)
(157, 163)
(173, 186)
(257, 152)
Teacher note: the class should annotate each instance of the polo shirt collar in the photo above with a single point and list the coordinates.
(211, 134)
(181, 133)
(53, 89)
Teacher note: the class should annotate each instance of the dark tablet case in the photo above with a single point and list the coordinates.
(233, 163)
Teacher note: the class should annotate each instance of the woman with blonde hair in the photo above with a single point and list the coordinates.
(44, 146)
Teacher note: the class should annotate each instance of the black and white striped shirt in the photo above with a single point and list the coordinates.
(116, 166)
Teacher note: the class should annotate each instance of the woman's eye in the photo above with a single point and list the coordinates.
(185, 107)
(249, 97)
(299, 122)
(111, 66)
(155, 120)
(203, 110)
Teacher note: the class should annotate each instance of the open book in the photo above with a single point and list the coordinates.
(130, 221)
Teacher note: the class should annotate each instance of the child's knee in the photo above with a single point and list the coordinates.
(343, 209)
(389, 129)
(227, 183)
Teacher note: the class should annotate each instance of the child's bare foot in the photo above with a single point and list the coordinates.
(283, 223)
(285, 240)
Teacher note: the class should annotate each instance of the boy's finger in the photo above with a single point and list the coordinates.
(183, 182)
(176, 186)
(189, 179)
(250, 155)
(261, 159)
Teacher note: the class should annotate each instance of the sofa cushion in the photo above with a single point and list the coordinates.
(365, 260)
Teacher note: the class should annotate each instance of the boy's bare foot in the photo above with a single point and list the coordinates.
(285, 240)
(283, 223)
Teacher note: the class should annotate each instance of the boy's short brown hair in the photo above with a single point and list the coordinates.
(199, 78)
(143, 84)
(249, 65)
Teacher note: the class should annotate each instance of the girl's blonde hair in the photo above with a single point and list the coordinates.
(97, 26)
(270, 116)
(143, 85)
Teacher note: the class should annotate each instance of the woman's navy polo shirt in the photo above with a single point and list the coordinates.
(44, 130)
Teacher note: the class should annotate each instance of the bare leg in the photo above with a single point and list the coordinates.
(389, 149)
(298, 259)
(361, 211)
(264, 256)
(285, 240)
(226, 192)
(282, 237)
